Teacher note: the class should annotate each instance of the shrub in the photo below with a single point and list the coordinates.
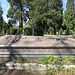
(21, 30)
(28, 31)
(13, 31)
(38, 31)
(61, 31)
(65, 32)
(50, 30)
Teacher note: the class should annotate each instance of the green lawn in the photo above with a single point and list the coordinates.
(57, 36)
(17, 27)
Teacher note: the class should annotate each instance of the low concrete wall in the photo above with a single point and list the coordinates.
(35, 51)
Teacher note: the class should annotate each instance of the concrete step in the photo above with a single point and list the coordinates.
(37, 50)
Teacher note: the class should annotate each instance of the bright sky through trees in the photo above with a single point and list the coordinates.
(5, 7)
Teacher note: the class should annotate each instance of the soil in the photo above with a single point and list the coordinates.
(23, 72)
(20, 72)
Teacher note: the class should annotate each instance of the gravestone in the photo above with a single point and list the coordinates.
(23, 32)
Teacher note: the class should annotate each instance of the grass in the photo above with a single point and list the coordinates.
(17, 27)
(58, 36)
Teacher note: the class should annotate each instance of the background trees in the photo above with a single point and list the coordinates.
(46, 13)
(1, 18)
(69, 16)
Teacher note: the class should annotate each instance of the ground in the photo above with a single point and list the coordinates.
(23, 72)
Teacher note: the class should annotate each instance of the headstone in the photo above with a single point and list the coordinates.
(23, 32)
(33, 29)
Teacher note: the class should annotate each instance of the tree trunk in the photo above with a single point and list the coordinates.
(21, 20)
(20, 23)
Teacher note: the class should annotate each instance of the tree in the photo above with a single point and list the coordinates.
(69, 16)
(17, 11)
(56, 14)
(5, 27)
(46, 13)
(1, 18)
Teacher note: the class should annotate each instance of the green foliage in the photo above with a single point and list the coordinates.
(21, 60)
(28, 31)
(51, 58)
(58, 61)
(51, 71)
(70, 71)
(21, 30)
(68, 16)
(13, 31)
(17, 12)
(1, 19)
(50, 30)
(3, 60)
(5, 27)
(38, 31)
(69, 58)
(60, 31)
(45, 60)
(46, 13)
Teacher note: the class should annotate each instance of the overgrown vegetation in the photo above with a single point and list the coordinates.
(47, 16)
(45, 60)
(58, 61)
(51, 61)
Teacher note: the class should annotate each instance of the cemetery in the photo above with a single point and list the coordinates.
(37, 37)
(36, 46)
(37, 53)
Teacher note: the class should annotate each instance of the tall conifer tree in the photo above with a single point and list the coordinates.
(69, 16)
(1, 18)
(17, 11)
(46, 13)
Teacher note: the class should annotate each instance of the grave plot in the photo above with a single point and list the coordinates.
(36, 46)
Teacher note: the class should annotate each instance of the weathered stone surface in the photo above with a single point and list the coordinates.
(36, 45)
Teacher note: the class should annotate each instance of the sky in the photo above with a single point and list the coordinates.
(5, 7)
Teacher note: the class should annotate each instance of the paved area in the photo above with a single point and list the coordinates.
(36, 41)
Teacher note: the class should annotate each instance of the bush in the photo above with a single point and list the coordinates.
(13, 31)
(60, 31)
(71, 32)
(21, 29)
(38, 31)
(65, 32)
(28, 31)
(50, 30)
